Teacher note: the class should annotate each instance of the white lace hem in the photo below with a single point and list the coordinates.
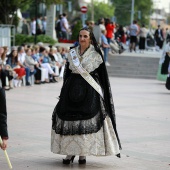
(102, 143)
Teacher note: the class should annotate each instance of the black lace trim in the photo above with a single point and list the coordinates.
(79, 127)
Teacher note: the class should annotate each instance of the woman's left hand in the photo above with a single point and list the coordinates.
(4, 144)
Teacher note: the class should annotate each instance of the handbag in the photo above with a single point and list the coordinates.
(167, 84)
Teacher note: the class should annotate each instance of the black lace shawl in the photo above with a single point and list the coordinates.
(105, 84)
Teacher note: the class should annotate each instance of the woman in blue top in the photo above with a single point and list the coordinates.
(105, 46)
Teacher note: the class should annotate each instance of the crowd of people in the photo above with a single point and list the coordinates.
(115, 38)
(112, 37)
(31, 28)
(44, 63)
(84, 115)
(27, 65)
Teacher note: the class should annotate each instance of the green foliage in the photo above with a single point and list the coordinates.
(123, 11)
(28, 39)
(15, 20)
(76, 30)
(9, 7)
(145, 6)
(101, 10)
(46, 39)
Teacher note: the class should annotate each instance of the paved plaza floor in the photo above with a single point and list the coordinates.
(143, 122)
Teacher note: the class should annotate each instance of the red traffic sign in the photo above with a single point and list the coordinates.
(83, 9)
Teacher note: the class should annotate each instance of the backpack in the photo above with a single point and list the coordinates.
(58, 27)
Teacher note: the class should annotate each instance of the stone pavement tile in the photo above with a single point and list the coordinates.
(149, 54)
(143, 122)
(93, 163)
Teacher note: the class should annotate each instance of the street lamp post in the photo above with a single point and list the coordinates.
(132, 11)
(92, 10)
(36, 24)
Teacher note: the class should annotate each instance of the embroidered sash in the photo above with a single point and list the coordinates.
(84, 73)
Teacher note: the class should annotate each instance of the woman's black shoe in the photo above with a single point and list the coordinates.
(83, 161)
(67, 161)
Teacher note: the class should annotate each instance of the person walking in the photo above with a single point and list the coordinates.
(142, 38)
(133, 36)
(83, 121)
(159, 38)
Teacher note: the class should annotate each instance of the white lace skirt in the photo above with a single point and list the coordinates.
(102, 143)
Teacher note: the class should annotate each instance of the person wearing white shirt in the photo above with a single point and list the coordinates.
(33, 27)
(21, 59)
(133, 36)
(102, 24)
(64, 26)
(61, 61)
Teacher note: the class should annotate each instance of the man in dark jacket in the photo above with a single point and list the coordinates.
(159, 37)
(3, 119)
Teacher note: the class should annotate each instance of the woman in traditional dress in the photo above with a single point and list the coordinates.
(83, 121)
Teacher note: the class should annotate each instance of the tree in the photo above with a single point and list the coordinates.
(123, 10)
(8, 8)
(145, 6)
(76, 29)
(101, 10)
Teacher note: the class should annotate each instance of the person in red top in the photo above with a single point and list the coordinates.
(110, 30)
